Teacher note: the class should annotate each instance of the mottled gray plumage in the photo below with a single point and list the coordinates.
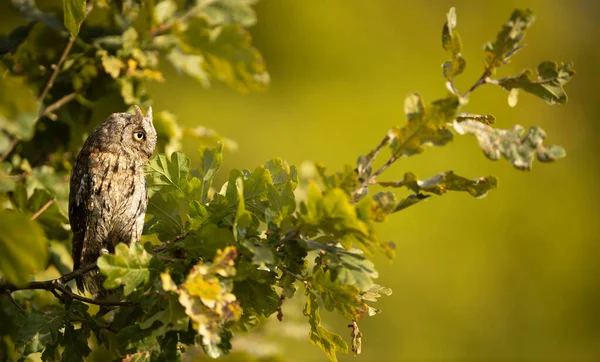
(108, 196)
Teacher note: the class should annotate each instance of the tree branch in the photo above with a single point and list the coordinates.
(42, 209)
(59, 284)
(358, 192)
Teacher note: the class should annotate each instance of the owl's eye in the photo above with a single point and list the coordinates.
(139, 136)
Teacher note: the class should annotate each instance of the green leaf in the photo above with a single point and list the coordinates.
(346, 180)
(445, 181)
(518, 147)
(6, 183)
(255, 186)
(75, 343)
(40, 329)
(205, 242)
(168, 132)
(548, 84)
(165, 221)
(164, 11)
(129, 266)
(329, 342)
(426, 125)
(243, 218)
(170, 317)
(228, 55)
(335, 295)
(453, 46)
(21, 254)
(190, 64)
(111, 64)
(349, 267)
(375, 292)
(281, 204)
(18, 109)
(208, 302)
(253, 289)
(281, 173)
(335, 215)
(211, 160)
(168, 176)
(74, 14)
(508, 39)
(52, 218)
(230, 12)
(410, 201)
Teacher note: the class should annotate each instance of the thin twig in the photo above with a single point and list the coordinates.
(166, 244)
(57, 67)
(297, 277)
(63, 57)
(66, 291)
(481, 81)
(42, 209)
(12, 145)
(53, 285)
(59, 103)
(12, 299)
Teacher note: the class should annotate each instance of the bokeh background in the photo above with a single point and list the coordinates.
(511, 277)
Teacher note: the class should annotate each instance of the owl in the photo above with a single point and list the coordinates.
(108, 195)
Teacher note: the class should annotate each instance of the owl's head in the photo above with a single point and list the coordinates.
(139, 133)
(133, 134)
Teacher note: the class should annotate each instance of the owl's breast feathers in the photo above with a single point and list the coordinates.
(107, 204)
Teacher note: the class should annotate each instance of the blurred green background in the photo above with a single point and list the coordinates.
(512, 277)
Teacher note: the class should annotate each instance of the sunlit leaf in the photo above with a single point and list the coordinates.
(548, 84)
(190, 64)
(228, 55)
(168, 175)
(164, 11)
(342, 297)
(129, 266)
(445, 181)
(453, 46)
(517, 146)
(330, 343)
(20, 255)
(18, 109)
(426, 125)
(220, 12)
(508, 39)
(74, 13)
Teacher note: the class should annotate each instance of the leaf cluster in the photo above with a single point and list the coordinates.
(216, 259)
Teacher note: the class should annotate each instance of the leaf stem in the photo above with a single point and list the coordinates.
(295, 276)
(484, 79)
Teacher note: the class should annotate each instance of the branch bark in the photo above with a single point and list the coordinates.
(59, 284)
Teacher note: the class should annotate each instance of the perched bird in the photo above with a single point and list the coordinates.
(108, 195)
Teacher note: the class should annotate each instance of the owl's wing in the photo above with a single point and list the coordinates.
(79, 197)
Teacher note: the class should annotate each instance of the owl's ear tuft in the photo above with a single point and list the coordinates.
(139, 116)
(149, 114)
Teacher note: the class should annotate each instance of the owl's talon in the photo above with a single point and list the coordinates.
(104, 251)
